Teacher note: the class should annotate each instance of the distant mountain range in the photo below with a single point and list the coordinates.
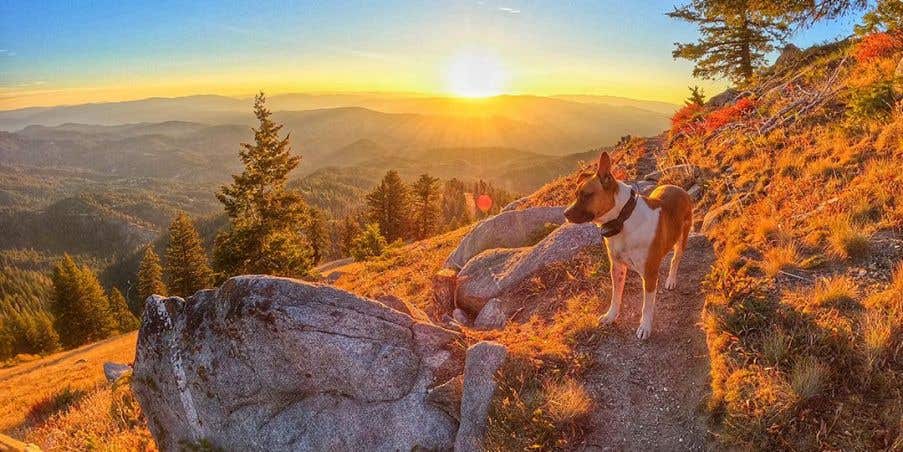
(324, 123)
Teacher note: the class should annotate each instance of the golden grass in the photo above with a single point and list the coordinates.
(781, 257)
(835, 292)
(24, 385)
(776, 346)
(847, 240)
(567, 401)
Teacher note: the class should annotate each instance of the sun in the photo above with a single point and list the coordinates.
(474, 74)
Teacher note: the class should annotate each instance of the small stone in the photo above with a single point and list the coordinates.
(114, 371)
(459, 316)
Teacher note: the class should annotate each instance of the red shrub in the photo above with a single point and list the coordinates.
(878, 45)
(731, 113)
(686, 120)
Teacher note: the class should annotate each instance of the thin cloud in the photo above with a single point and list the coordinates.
(505, 9)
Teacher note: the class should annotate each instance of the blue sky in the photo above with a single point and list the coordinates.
(71, 51)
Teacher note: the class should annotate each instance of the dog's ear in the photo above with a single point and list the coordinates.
(604, 164)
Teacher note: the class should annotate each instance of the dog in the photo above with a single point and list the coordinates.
(639, 231)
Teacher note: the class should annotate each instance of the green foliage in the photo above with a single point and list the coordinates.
(389, 206)
(150, 277)
(370, 243)
(348, 230)
(81, 310)
(734, 38)
(887, 15)
(873, 102)
(697, 97)
(425, 205)
(119, 309)
(187, 270)
(315, 230)
(264, 235)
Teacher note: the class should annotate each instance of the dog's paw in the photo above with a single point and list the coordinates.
(671, 283)
(643, 332)
(608, 318)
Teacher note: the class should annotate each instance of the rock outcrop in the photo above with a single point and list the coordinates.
(491, 273)
(114, 371)
(483, 360)
(510, 229)
(267, 363)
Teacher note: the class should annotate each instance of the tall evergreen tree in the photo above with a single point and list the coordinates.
(79, 306)
(425, 205)
(119, 310)
(389, 207)
(735, 37)
(150, 277)
(315, 230)
(266, 218)
(187, 270)
(348, 230)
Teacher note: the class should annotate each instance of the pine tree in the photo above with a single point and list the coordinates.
(315, 230)
(454, 205)
(425, 205)
(348, 230)
(389, 205)
(150, 277)
(187, 270)
(79, 306)
(735, 37)
(886, 15)
(369, 243)
(697, 97)
(119, 310)
(266, 218)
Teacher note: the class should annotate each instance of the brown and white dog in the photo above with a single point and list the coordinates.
(639, 231)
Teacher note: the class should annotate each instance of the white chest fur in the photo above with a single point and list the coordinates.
(631, 246)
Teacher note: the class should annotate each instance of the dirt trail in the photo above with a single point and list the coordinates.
(649, 395)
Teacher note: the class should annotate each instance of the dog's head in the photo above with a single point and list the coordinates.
(596, 193)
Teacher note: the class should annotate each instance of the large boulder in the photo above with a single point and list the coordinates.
(510, 229)
(267, 363)
(492, 273)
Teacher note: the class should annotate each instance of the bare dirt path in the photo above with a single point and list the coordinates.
(650, 395)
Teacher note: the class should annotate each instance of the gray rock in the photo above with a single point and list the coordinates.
(492, 273)
(267, 363)
(459, 316)
(790, 55)
(114, 371)
(402, 306)
(726, 97)
(492, 316)
(510, 229)
(483, 360)
(516, 204)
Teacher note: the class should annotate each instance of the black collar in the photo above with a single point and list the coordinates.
(614, 227)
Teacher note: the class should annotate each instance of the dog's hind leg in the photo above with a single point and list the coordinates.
(618, 277)
(679, 247)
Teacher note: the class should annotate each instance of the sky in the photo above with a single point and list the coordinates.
(67, 52)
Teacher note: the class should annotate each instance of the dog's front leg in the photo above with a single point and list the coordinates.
(649, 284)
(618, 277)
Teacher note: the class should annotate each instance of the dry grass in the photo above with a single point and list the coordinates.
(63, 402)
(808, 378)
(778, 258)
(847, 240)
(776, 346)
(567, 401)
(837, 292)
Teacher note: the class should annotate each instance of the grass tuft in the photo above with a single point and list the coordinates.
(779, 258)
(567, 401)
(808, 378)
(837, 292)
(846, 240)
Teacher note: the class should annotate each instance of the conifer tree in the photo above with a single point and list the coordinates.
(79, 306)
(425, 205)
(389, 207)
(735, 37)
(187, 270)
(369, 243)
(697, 97)
(348, 230)
(119, 310)
(150, 277)
(315, 230)
(266, 218)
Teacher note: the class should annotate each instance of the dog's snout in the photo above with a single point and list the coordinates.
(575, 214)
